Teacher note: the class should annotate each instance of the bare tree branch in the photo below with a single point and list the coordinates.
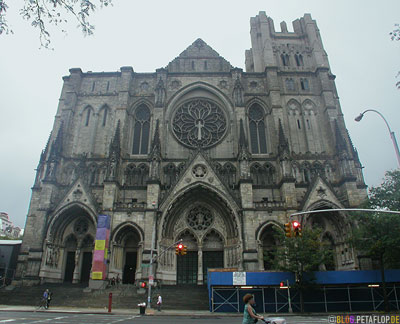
(45, 13)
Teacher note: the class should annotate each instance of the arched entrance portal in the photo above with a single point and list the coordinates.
(268, 245)
(334, 228)
(69, 245)
(126, 253)
(208, 227)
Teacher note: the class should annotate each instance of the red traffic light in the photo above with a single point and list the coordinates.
(180, 246)
(143, 284)
(281, 284)
(296, 224)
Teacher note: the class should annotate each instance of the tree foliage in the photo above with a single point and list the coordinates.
(44, 13)
(301, 254)
(377, 234)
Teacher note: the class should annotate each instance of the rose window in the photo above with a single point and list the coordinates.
(81, 226)
(199, 123)
(199, 218)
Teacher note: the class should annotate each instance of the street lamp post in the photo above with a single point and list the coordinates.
(392, 136)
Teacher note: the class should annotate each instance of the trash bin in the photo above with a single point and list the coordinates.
(142, 308)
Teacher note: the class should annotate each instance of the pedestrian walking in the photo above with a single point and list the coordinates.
(48, 299)
(159, 302)
(249, 315)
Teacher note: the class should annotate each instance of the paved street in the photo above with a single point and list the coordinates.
(66, 318)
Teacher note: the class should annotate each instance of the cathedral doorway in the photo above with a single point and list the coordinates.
(187, 269)
(213, 253)
(187, 265)
(69, 266)
(269, 245)
(128, 276)
(86, 263)
(125, 250)
(70, 245)
(86, 266)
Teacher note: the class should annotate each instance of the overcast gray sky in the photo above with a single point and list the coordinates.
(148, 34)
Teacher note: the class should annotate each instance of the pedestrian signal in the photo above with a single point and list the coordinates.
(288, 229)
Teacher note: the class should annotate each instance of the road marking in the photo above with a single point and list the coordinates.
(8, 320)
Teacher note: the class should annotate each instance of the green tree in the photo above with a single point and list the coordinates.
(377, 234)
(43, 13)
(301, 255)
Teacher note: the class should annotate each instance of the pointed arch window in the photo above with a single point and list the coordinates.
(87, 120)
(228, 173)
(141, 130)
(170, 173)
(105, 116)
(257, 130)
(299, 59)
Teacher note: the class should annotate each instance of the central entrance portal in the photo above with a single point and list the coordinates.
(187, 269)
(130, 268)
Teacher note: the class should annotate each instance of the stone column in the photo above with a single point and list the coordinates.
(200, 266)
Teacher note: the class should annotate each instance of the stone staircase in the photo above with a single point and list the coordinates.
(124, 296)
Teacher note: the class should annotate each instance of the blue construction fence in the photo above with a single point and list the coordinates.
(330, 291)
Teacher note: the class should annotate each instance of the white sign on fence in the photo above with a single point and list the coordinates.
(239, 278)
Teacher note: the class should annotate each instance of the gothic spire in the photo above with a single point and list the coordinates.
(155, 150)
(45, 151)
(340, 142)
(283, 144)
(244, 153)
(56, 146)
(115, 146)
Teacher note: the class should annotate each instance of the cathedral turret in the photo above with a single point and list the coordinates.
(114, 154)
(155, 154)
(54, 156)
(284, 154)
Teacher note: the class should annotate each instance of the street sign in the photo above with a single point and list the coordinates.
(151, 280)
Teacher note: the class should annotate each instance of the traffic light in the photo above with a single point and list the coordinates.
(179, 249)
(143, 284)
(288, 229)
(296, 229)
(281, 284)
(184, 250)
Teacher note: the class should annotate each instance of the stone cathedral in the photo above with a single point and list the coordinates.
(198, 150)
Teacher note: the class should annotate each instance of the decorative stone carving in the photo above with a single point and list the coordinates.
(223, 84)
(199, 123)
(199, 218)
(175, 84)
(199, 171)
(81, 226)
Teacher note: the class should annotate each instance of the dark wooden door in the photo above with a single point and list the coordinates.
(69, 267)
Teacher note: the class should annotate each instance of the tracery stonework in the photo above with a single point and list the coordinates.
(199, 123)
(199, 218)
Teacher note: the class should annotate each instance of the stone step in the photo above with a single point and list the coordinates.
(174, 297)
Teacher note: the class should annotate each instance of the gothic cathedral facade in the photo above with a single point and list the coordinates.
(200, 151)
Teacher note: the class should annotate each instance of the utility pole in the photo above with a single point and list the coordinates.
(152, 260)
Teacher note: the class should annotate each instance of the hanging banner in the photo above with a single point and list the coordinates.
(101, 245)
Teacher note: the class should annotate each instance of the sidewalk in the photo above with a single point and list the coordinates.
(104, 311)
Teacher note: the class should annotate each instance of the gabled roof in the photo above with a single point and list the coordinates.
(193, 59)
